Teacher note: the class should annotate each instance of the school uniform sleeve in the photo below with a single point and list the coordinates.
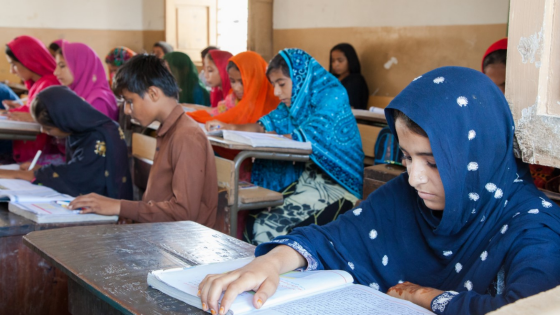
(530, 267)
(6, 94)
(193, 185)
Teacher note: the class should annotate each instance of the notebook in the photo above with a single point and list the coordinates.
(42, 204)
(327, 292)
(257, 139)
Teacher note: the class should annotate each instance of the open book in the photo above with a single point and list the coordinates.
(257, 139)
(42, 204)
(310, 292)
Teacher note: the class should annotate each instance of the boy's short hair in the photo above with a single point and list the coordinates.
(496, 57)
(142, 71)
(205, 51)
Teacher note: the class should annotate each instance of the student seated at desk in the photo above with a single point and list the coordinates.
(97, 156)
(464, 228)
(161, 48)
(215, 73)
(494, 63)
(79, 68)
(201, 76)
(6, 94)
(191, 90)
(314, 108)
(345, 65)
(54, 47)
(251, 95)
(116, 58)
(30, 60)
(183, 183)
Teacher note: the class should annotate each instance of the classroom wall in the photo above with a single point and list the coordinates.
(396, 40)
(102, 24)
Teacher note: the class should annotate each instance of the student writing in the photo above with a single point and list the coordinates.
(97, 157)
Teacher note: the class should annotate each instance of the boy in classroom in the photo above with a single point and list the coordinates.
(182, 184)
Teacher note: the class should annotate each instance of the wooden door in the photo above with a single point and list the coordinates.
(533, 78)
(190, 26)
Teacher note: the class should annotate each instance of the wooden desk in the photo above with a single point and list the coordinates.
(28, 285)
(365, 116)
(247, 151)
(107, 265)
(18, 130)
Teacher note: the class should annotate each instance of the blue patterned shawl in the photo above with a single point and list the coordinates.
(498, 240)
(319, 113)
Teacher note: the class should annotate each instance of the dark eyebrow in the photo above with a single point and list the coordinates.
(419, 154)
(276, 81)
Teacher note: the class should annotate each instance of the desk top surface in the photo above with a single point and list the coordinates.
(14, 225)
(113, 261)
(19, 127)
(221, 142)
(369, 116)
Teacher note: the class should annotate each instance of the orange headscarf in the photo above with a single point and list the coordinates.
(258, 94)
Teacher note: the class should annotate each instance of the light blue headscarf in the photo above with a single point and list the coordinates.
(319, 113)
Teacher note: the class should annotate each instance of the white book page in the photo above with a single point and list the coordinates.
(292, 285)
(47, 209)
(351, 300)
(10, 167)
(19, 185)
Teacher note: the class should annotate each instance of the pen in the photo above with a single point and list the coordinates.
(32, 165)
(66, 204)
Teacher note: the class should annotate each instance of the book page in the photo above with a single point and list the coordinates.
(292, 285)
(10, 167)
(351, 300)
(47, 208)
(18, 190)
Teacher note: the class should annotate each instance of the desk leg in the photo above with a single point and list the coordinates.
(28, 285)
(83, 302)
(259, 155)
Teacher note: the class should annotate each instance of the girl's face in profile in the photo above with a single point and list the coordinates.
(62, 72)
(54, 132)
(19, 69)
(423, 174)
(236, 82)
(282, 86)
(211, 73)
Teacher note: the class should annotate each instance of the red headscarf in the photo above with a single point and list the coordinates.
(499, 45)
(33, 54)
(258, 94)
(220, 59)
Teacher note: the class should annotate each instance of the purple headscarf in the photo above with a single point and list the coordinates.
(90, 81)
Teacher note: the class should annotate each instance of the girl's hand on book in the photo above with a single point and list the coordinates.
(414, 293)
(25, 175)
(217, 125)
(262, 275)
(94, 203)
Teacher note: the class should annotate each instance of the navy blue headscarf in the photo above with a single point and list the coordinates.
(96, 153)
(319, 113)
(498, 239)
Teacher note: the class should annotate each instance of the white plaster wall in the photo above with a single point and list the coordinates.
(83, 14)
(296, 14)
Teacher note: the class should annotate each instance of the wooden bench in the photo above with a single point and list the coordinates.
(379, 101)
(377, 175)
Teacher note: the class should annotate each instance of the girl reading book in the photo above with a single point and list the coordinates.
(31, 61)
(79, 68)
(97, 157)
(314, 108)
(463, 231)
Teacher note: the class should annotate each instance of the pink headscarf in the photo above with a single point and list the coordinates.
(90, 81)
